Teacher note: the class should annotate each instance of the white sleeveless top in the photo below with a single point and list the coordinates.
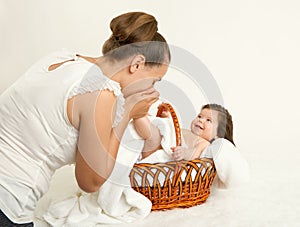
(36, 137)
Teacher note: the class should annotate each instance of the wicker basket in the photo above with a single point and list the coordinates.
(174, 184)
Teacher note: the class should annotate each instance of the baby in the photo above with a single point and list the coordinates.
(210, 136)
(213, 122)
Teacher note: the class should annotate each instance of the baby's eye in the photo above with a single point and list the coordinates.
(209, 120)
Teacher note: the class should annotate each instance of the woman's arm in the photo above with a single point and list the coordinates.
(98, 142)
(149, 133)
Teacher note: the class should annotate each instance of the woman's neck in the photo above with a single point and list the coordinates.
(114, 70)
(109, 68)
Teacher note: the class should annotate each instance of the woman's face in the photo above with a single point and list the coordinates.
(205, 124)
(145, 79)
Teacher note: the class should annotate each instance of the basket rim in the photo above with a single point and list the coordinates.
(176, 123)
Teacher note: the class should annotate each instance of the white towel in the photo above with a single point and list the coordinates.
(232, 168)
(166, 128)
(115, 202)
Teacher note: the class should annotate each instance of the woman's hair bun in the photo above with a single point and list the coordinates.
(133, 28)
(130, 28)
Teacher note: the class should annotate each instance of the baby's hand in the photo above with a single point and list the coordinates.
(178, 153)
(163, 111)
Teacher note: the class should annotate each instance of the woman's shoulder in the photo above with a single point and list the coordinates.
(59, 56)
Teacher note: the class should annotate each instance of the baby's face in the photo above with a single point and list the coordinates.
(205, 124)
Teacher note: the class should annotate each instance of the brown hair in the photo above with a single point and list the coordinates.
(225, 125)
(140, 31)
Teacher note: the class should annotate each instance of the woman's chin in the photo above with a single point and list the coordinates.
(133, 90)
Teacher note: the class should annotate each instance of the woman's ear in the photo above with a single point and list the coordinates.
(137, 63)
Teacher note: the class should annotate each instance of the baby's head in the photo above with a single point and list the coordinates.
(213, 121)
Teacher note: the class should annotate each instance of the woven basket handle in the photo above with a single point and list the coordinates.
(177, 128)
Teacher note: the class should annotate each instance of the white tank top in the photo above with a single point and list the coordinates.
(36, 137)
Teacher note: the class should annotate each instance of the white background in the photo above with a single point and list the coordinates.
(251, 47)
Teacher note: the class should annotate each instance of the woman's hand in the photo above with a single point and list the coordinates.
(138, 104)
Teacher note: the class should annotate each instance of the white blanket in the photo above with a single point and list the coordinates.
(166, 128)
(115, 202)
(232, 168)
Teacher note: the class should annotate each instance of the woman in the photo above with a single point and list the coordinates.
(69, 108)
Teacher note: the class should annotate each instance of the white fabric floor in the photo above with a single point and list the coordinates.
(271, 198)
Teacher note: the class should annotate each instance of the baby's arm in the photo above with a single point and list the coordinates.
(190, 153)
(200, 147)
(149, 133)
